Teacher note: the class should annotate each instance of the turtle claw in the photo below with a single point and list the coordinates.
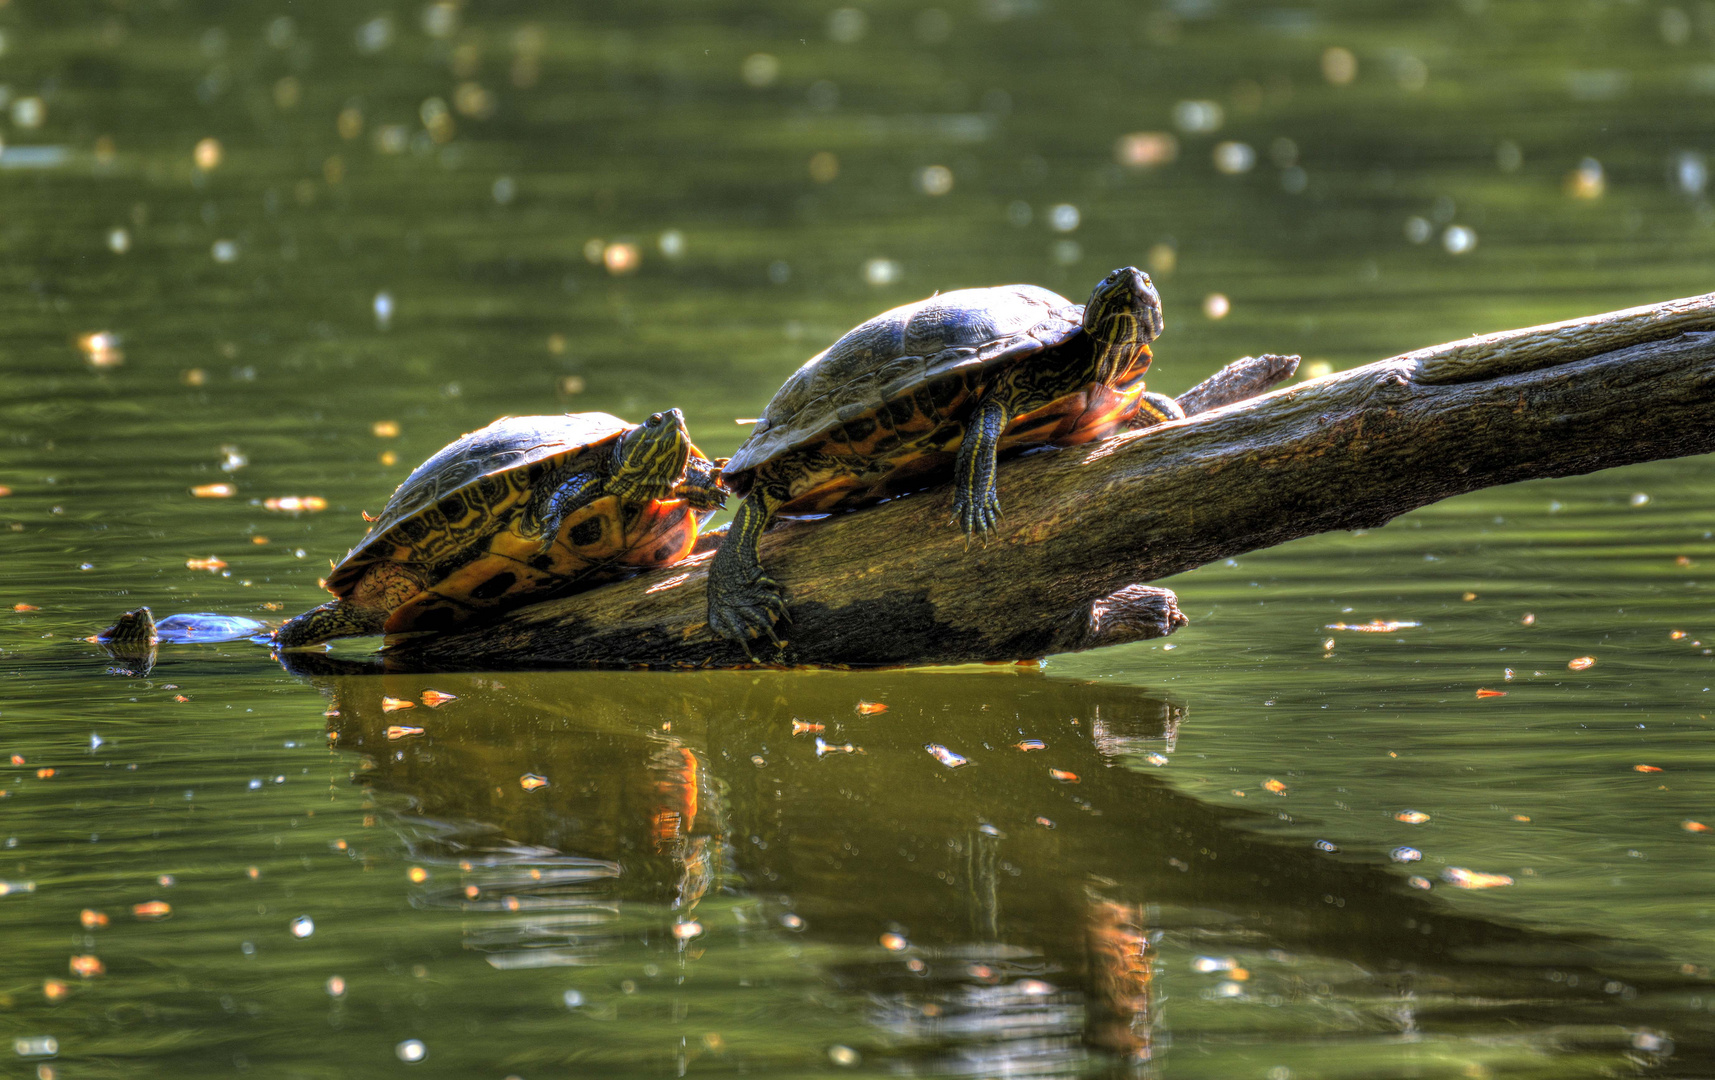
(750, 615)
(977, 519)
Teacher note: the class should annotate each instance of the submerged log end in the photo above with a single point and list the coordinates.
(1134, 613)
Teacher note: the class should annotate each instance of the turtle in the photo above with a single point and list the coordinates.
(526, 507)
(931, 389)
(133, 637)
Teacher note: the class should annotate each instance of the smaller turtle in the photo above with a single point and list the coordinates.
(927, 391)
(133, 638)
(527, 507)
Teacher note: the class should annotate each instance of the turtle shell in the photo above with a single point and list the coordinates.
(453, 502)
(956, 335)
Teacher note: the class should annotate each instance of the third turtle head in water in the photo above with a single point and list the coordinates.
(928, 392)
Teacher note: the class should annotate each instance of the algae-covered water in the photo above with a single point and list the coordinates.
(293, 248)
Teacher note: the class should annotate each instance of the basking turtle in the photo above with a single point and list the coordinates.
(523, 508)
(926, 390)
(133, 638)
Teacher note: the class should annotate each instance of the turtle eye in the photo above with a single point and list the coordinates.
(655, 420)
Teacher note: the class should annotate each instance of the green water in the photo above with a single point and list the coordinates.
(696, 889)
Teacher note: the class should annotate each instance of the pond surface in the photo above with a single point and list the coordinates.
(324, 240)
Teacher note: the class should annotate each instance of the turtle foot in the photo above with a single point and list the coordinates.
(977, 518)
(748, 614)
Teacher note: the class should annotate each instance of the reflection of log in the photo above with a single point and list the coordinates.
(896, 585)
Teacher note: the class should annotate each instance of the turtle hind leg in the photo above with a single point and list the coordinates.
(976, 503)
(1153, 408)
(336, 618)
(744, 602)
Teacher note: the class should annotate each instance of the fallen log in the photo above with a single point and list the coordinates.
(1085, 526)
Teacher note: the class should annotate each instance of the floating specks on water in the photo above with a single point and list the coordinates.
(1693, 826)
(393, 704)
(1146, 149)
(296, 504)
(8, 888)
(1458, 239)
(686, 929)
(1157, 760)
(101, 349)
(1417, 882)
(211, 563)
(572, 999)
(335, 986)
(530, 781)
(1461, 878)
(1646, 768)
(1208, 965)
(1582, 663)
(989, 830)
(118, 241)
(411, 1051)
(1405, 854)
(86, 966)
(1587, 181)
(804, 727)
(382, 306)
(36, 1046)
(868, 708)
(207, 154)
(1063, 776)
(1233, 158)
(1031, 744)
(1275, 786)
(1064, 218)
(824, 748)
(54, 989)
(1375, 626)
(791, 921)
(434, 699)
(417, 875)
(894, 942)
(303, 926)
(402, 731)
(621, 258)
(1216, 306)
(935, 180)
(1411, 817)
(152, 909)
(1326, 845)
(844, 1056)
(945, 756)
(92, 919)
(879, 272)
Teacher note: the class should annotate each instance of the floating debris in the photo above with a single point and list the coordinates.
(1646, 768)
(1482, 693)
(1411, 817)
(393, 704)
(1405, 854)
(530, 781)
(411, 1051)
(417, 875)
(212, 563)
(804, 727)
(1157, 760)
(1274, 785)
(385, 429)
(824, 748)
(1031, 744)
(945, 756)
(402, 731)
(686, 929)
(1326, 845)
(87, 967)
(335, 986)
(303, 926)
(1063, 776)
(894, 942)
(1521, 817)
(1461, 878)
(844, 1056)
(214, 491)
(54, 989)
(869, 708)
(152, 909)
(1375, 626)
(296, 504)
(1582, 663)
(791, 921)
(1419, 882)
(434, 699)
(25, 607)
(92, 919)
(46, 774)
(1693, 826)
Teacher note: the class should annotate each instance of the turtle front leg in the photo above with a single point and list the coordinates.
(744, 602)
(553, 506)
(701, 488)
(976, 503)
(336, 618)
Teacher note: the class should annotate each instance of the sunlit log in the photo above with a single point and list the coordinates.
(1084, 526)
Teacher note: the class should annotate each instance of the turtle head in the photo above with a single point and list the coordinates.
(1122, 317)
(651, 458)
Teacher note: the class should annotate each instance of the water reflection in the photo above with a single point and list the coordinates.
(1016, 913)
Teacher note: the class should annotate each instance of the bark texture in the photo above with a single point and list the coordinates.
(896, 585)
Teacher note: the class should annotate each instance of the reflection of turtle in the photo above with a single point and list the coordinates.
(522, 508)
(939, 386)
(132, 639)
